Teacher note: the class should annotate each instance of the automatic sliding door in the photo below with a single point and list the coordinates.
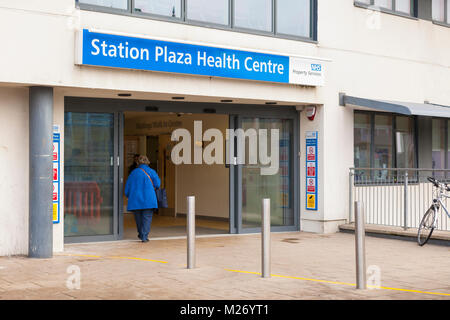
(277, 186)
(89, 176)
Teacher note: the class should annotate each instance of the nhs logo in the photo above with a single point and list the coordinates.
(316, 67)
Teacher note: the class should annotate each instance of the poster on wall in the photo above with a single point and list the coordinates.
(56, 175)
(311, 170)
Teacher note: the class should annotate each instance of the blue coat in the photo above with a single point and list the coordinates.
(139, 189)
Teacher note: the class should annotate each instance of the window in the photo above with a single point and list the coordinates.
(383, 141)
(404, 7)
(214, 11)
(293, 17)
(363, 140)
(404, 138)
(441, 11)
(168, 8)
(441, 146)
(383, 4)
(114, 4)
(253, 14)
(283, 18)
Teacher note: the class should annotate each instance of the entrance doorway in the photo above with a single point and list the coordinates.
(149, 133)
(101, 137)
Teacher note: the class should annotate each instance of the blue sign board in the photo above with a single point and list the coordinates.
(311, 170)
(118, 51)
(56, 176)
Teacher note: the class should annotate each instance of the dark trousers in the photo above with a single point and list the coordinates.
(143, 222)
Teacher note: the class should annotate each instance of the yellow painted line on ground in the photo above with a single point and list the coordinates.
(140, 259)
(414, 291)
(80, 255)
(273, 275)
(344, 283)
(126, 258)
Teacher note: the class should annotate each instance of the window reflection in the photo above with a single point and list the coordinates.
(214, 11)
(383, 141)
(362, 136)
(253, 14)
(438, 10)
(384, 4)
(382, 157)
(168, 8)
(88, 174)
(448, 146)
(405, 142)
(115, 4)
(403, 6)
(277, 187)
(438, 146)
(293, 17)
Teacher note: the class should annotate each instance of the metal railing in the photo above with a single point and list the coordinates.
(396, 196)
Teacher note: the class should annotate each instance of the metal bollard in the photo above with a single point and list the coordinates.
(265, 238)
(406, 203)
(360, 246)
(190, 232)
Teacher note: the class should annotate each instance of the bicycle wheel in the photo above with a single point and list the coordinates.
(426, 226)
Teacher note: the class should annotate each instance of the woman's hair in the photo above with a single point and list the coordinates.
(143, 160)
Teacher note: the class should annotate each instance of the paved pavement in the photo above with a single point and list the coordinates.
(304, 266)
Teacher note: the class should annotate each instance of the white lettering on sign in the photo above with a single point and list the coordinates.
(172, 56)
(225, 61)
(119, 51)
(261, 66)
(142, 53)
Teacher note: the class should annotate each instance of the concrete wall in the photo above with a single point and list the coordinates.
(14, 170)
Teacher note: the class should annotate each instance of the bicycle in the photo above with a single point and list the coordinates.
(430, 218)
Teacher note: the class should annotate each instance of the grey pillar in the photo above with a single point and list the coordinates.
(40, 244)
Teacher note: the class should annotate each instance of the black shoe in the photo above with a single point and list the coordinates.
(146, 240)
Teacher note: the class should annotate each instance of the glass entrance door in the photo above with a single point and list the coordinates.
(90, 176)
(277, 184)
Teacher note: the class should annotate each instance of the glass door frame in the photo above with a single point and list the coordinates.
(117, 227)
(235, 112)
(294, 179)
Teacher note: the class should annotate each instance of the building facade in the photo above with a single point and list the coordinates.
(338, 79)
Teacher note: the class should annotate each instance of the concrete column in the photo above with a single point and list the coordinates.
(40, 243)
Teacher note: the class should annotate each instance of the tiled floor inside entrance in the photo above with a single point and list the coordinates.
(169, 226)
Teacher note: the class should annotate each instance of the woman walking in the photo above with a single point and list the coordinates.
(140, 191)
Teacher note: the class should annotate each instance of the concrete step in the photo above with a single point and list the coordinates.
(438, 236)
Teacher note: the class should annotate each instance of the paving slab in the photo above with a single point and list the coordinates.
(304, 266)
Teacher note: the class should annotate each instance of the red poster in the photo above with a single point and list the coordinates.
(311, 171)
(311, 156)
(311, 187)
(55, 152)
